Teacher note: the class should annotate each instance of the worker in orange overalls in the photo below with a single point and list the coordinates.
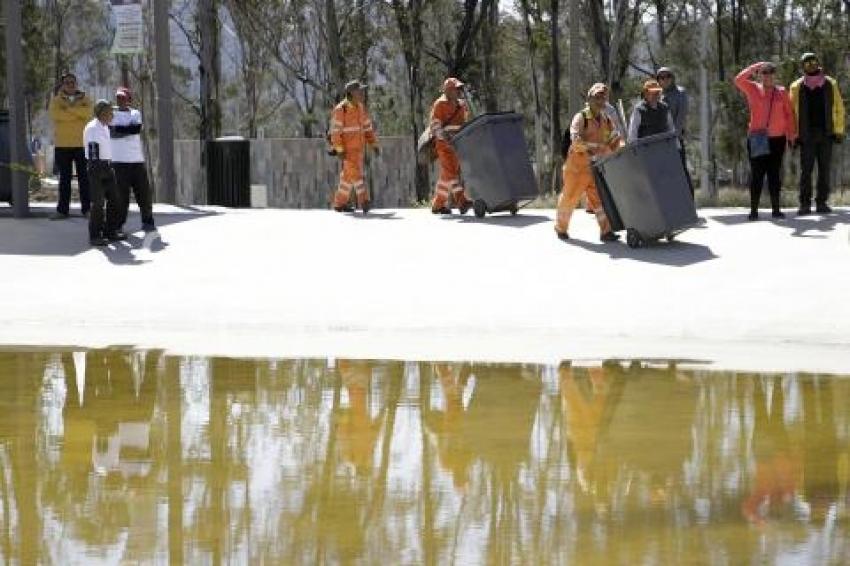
(351, 131)
(448, 114)
(592, 134)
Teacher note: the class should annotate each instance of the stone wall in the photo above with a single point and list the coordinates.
(298, 173)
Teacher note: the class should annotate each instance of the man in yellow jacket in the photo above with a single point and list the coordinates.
(351, 132)
(819, 112)
(70, 109)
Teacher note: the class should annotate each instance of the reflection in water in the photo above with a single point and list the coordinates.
(120, 456)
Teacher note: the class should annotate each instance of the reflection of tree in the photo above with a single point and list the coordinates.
(777, 468)
(19, 404)
(488, 442)
(820, 447)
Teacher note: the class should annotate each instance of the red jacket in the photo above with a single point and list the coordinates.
(781, 121)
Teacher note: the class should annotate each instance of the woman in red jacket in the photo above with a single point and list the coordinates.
(771, 129)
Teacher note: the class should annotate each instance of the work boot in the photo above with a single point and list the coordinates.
(365, 207)
(346, 208)
(804, 211)
(443, 210)
(823, 209)
(464, 208)
(753, 216)
(777, 214)
(563, 236)
(609, 237)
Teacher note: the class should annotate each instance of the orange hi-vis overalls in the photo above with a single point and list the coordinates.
(446, 120)
(592, 135)
(351, 132)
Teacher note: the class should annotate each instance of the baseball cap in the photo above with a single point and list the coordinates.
(351, 86)
(452, 82)
(651, 86)
(596, 89)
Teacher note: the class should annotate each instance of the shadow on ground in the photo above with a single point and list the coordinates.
(519, 221)
(814, 226)
(674, 254)
(39, 236)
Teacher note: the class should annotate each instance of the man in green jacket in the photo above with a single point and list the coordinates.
(819, 112)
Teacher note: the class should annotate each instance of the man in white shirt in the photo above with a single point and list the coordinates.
(103, 227)
(128, 160)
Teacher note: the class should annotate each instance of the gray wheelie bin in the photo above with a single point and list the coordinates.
(644, 190)
(494, 163)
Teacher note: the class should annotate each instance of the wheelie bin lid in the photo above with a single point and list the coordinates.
(635, 144)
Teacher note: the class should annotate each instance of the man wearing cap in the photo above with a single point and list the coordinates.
(448, 114)
(69, 110)
(351, 132)
(592, 134)
(650, 116)
(103, 228)
(128, 160)
(676, 99)
(819, 114)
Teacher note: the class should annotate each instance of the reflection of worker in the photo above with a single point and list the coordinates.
(584, 409)
(453, 447)
(777, 469)
(448, 114)
(592, 134)
(351, 131)
(356, 429)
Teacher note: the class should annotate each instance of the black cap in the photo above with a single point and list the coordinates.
(351, 86)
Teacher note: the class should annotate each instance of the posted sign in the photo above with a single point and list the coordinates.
(129, 27)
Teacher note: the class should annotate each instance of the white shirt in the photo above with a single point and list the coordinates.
(98, 132)
(129, 148)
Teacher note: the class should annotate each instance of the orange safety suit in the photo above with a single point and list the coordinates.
(351, 132)
(446, 119)
(592, 135)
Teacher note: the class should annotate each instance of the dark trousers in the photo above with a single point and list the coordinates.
(133, 176)
(64, 157)
(103, 196)
(685, 165)
(817, 147)
(769, 165)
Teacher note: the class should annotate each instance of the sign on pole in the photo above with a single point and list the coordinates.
(129, 27)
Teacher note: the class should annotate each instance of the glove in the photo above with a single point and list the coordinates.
(837, 138)
(376, 149)
(340, 152)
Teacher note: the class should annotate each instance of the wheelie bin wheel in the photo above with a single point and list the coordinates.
(671, 237)
(634, 239)
(514, 210)
(480, 208)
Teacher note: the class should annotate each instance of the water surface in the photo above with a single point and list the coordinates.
(117, 456)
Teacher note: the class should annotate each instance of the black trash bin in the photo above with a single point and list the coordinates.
(6, 155)
(229, 172)
(644, 190)
(494, 163)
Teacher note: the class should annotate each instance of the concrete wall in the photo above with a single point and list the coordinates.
(299, 174)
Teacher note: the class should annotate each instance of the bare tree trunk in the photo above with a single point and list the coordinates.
(488, 38)
(210, 125)
(535, 87)
(555, 139)
(334, 50)
(706, 177)
(575, 59)
(718, 21)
